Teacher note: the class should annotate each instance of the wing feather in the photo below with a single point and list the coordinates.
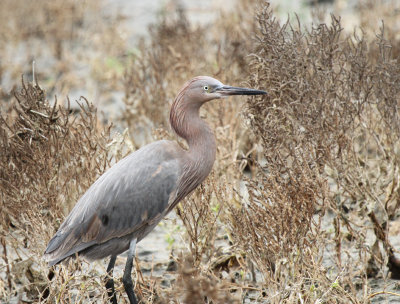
(132, 193)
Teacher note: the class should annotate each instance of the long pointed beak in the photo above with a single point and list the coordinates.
(228, 91)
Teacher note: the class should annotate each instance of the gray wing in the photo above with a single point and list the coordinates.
(133, 193)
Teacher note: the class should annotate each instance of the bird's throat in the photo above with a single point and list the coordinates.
(200, 156)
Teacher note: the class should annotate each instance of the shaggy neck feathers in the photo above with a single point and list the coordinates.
(200, 157)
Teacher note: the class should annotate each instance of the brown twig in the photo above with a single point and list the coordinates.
(3, 242)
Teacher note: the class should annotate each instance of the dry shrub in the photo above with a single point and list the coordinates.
(200, 221)
(49, 158)
(329, 131)
(199, 288)
(46, 150)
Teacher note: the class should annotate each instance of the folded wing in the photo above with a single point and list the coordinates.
(133, 193)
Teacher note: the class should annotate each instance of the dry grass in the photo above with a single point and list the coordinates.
(330, 140)
(303, 199)
(49, 157)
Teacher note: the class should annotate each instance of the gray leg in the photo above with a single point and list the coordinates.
(110, 281)
(127, 278)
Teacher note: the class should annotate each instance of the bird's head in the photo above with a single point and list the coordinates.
(204, 88)
(193, 95)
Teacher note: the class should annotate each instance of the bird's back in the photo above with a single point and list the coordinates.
(126, 202)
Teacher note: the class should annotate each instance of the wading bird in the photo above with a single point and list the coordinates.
(132, 197)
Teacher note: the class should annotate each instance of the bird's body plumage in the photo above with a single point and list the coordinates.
(125, 203)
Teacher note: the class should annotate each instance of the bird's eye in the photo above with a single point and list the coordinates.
(205, 88)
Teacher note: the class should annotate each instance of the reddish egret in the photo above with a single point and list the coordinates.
(132, 197)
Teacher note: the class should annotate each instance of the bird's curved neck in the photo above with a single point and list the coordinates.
(186, 122)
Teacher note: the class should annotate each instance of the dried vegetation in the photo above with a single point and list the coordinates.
(49, 157)
(303, 203)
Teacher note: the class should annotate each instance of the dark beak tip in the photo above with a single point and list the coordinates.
(253, 92)
(228, 90)
(263, 92)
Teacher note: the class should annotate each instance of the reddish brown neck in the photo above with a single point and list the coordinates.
(200, 157)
